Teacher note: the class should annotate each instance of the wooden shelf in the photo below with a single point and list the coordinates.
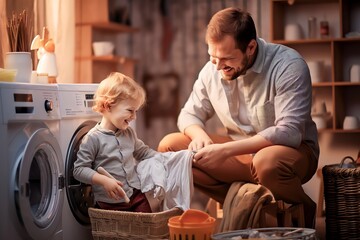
(338, 131)
(302, 41)
(320, 40)
(109, 59)
(346, 131)
(337, 52)
(304, 1)
(92, 24)
(322, 84)
(110, 27)
(352, 39)
(345, 84)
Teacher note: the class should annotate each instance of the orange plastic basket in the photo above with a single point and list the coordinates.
(192, 224)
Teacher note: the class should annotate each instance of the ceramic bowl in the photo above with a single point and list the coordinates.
(316, 69)
(103, 48)
(320, 122)
(293, 32)
(355, 73)
(350, 123)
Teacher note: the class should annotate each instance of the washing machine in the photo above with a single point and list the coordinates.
(31, 167)
(76, 119)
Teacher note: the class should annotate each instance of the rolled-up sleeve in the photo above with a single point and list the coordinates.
(292, 105)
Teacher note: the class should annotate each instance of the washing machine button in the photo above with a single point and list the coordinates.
(48, 105)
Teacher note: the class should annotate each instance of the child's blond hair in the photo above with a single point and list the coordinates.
(117, 87)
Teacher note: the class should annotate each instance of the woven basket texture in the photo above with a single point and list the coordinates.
(342, 201)
(110, 224)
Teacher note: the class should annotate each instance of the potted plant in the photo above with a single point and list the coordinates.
(19, 29)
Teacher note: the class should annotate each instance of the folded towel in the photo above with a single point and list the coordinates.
(242, 206)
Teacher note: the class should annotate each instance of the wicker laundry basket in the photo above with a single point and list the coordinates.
(342, 199)
(110, 224)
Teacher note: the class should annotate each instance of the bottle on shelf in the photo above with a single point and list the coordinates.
(324, 29)
(312, 27)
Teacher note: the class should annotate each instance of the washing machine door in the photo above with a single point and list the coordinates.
(79, 195)
(39, 194)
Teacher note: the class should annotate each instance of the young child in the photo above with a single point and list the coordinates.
(113, 145)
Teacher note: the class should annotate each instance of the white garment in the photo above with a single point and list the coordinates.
(170, 178)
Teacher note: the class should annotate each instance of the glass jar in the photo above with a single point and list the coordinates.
(312, 27)
(324, 29)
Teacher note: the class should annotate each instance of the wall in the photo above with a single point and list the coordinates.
(3, 36)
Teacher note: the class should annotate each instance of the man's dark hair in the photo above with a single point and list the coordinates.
(233, 22)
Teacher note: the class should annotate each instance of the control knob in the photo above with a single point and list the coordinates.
(48, 105)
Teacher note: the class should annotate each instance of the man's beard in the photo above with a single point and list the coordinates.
(239, 71)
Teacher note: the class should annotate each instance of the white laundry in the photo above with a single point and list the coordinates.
(170, 178)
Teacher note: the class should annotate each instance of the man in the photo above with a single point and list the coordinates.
(261, 92)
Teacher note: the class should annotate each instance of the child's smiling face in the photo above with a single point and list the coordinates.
(119, 115)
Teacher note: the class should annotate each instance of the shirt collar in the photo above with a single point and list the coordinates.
(260, 58)
(107, 131)
(258, 64)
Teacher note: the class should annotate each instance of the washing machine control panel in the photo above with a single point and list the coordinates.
(77, 100)
(29, 102)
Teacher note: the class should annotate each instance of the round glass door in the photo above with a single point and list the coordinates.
(79, 195)
(39, 183)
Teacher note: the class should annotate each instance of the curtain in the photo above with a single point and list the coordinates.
(3, 35)
(59, 17)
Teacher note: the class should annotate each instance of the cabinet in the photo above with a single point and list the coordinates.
(93, 24)
(337, 52)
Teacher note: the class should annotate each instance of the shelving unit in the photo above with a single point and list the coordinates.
(93, 24)
(337, 52)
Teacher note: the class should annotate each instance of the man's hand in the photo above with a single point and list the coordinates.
(210, 156)
(199, 137)
(199, 142)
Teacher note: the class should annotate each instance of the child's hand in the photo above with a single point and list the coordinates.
(113, 188)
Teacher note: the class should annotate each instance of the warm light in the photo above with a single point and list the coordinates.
(291, 2)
